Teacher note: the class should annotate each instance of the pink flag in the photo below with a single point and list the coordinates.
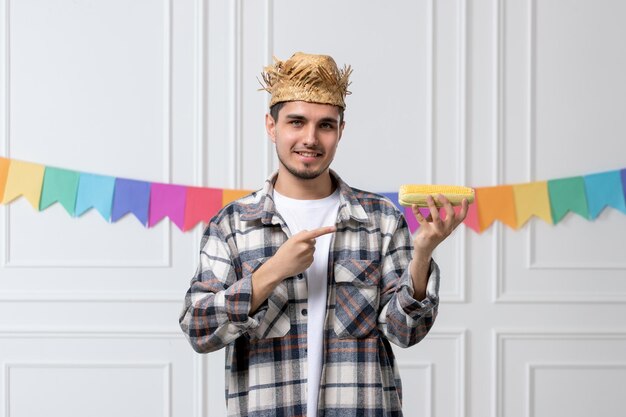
(167, 200)
(471, 220)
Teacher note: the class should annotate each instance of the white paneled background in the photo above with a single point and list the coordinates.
(479, 92)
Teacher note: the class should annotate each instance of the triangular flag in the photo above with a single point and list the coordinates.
(604, 189)
(4, 172)
(24, 178)
(229, 195)
(407, 211)
(131, 196)
(622, 172)
(567, 194)
(201, 205)
(167, 200)
(532, 199)
(496, 203)
(59, 185)
(410, 219)
(95, 191)
(471, 220)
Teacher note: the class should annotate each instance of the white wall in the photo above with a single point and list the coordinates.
(449, 91)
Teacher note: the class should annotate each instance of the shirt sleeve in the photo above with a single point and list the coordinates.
(217, 304)
(404, 320)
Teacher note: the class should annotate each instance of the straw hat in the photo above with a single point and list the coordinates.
(307, 77)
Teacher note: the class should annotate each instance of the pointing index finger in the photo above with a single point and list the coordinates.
(315, 233)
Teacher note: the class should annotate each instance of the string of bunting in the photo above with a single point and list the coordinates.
(186, 206)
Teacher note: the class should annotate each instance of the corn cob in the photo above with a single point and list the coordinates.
(411, 194)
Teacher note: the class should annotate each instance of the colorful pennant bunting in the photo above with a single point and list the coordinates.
(186, 206)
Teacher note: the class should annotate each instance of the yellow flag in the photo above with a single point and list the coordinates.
(531, 199)
(24, 178)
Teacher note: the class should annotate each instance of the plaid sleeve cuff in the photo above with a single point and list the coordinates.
(237, 303)
(417, 308)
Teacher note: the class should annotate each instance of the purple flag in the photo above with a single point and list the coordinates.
(623, 173)
(131, 196)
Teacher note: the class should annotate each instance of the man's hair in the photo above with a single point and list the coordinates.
(275, 109)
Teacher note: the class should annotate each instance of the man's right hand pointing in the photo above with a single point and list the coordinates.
(292, 258)
(296, 254)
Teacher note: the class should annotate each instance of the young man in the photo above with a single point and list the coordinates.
(307, 281)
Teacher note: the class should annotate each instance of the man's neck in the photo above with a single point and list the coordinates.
(300, 189)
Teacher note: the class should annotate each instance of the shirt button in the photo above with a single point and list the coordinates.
(304, 312)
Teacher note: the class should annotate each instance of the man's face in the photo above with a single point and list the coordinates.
(306, 136)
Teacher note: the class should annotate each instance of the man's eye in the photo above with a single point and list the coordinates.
(296, 123)
(327, 126)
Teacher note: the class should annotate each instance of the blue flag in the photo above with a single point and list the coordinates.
(604, 189)
(95, 191)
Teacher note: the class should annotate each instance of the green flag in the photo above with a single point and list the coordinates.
(567, 194)
(59, 185)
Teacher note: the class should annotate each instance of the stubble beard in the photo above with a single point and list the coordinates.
(303, 174)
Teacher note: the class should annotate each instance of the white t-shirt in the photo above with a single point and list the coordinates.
(308, 215)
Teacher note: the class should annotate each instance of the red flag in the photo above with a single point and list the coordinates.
(202, 204)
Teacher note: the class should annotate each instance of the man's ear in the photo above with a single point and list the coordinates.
(341, 126)
(270, 127)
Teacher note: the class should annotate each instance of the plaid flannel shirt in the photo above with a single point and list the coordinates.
(369, 304)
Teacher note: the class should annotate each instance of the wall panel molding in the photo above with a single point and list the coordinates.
(531, 376)
(164, 367)
(501, 336)
(458, 337)
(461, 131)
(268, 151)
(427, 368)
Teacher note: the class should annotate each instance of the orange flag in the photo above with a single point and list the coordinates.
(232, 195)
(496, 203)
(202, 204)
(4, 172)
(24, 178)
(531, 199)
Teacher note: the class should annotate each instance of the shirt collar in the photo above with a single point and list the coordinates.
(263, 207)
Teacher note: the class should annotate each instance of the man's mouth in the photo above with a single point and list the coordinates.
(309, 154)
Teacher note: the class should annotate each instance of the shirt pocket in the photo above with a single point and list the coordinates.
(357, 297)
(274, 321)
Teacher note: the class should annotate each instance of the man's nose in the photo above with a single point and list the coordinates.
(310, 136)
